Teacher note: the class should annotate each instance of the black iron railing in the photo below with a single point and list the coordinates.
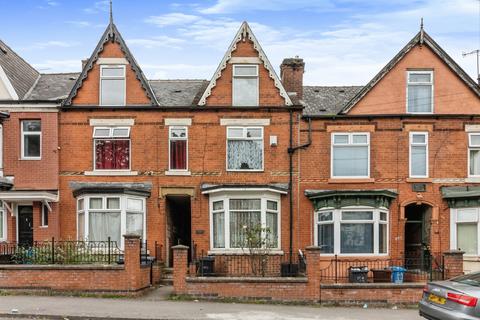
(266, 264)
(61, 252)
(413, 269)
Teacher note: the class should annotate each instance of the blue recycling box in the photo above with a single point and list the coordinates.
(397, 274)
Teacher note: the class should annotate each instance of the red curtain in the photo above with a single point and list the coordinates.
(112, 154)
(178, 154)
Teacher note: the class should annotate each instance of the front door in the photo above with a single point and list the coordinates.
(25, 225)
(417, 236)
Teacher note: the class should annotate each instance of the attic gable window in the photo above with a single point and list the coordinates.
(245, 85)
(420, 91)
(112, 85)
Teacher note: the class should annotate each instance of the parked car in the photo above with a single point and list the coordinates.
(454, 299)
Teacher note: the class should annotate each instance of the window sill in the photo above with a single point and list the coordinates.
(231, 252)
(415, 180)
(246, 171)
(351, 180)
(30, 159)
(111, 173)
(473, 179)
(43, 227)
(177, 173)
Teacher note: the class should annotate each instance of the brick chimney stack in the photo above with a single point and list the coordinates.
(291, 72)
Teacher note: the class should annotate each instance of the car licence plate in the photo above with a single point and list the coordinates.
(436, 299)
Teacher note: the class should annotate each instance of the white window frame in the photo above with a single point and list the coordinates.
(123, 213)
(124, 77)
(44, 212)
(30, 133)
(471, 147)
(111, 136)
(427, 159)
(337, 222)
(234, 76)
(349, 143)
(3, 212)
(170, 138)
(244, 137)
(226, 197)
(453, 229)
(430, 72)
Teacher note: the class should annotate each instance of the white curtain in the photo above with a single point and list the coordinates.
(135, 223)
(350, 161)
(103, 225)
(245, 154)
(272, 225)
(81, 226)
(475, 162)
(219, 229)
(245, 91)
(467, 238)
(419, 160)
(419, 98)
(239, 220)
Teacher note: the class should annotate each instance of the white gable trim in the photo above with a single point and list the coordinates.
(241, 35)
(11, 91)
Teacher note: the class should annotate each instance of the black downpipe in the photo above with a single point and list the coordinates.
(291, 151)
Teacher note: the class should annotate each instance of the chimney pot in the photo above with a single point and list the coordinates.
(291, 71)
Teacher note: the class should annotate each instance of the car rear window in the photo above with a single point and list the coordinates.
(472, 279)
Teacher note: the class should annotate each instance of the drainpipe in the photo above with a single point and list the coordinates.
(291, 151)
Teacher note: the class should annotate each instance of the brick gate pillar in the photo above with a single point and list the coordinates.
(313, 273)
(180, 268)
(132, 261)
(453, 263)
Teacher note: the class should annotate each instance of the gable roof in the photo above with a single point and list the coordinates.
(111, 34)
(22, 76)
(421, 38)
(243, 33)
(178, 93)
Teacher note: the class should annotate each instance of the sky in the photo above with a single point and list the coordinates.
(343, 42)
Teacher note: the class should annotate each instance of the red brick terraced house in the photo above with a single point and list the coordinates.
(385, 171)
(399, 172)
(29, 143)
(177, 161)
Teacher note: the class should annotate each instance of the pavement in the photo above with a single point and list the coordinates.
(154, 306)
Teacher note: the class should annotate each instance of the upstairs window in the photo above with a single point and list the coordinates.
(178, 137)
(418, 154)
(350, 155)
(111, 148)
(474, 154)
(420, 91)
(31, 139)
(245, 85)
(112, 85)
(245, 148)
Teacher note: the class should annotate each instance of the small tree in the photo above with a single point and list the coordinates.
(257, 241)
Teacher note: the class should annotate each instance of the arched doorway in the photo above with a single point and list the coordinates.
(418, 217)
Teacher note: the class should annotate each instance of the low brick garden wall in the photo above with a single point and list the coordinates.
(309, 289)
(127, 278)
(381, 293)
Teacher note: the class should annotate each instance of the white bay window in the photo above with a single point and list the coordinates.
(352, 231)
(100, 217)
(232, 214)
(464, 230)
